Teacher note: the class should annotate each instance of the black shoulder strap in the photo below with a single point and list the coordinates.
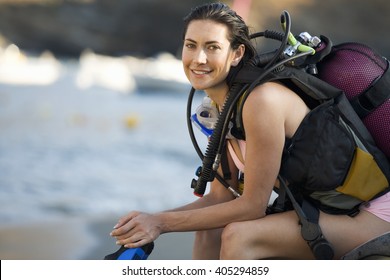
(308, 216)
(227, 175)
(374, 96)
(248, 74)
(313, 89)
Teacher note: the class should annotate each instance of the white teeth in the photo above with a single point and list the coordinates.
(200, 72)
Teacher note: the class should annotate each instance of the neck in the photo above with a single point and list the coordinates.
(218, 95)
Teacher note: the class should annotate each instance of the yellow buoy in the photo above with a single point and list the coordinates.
(131, 121)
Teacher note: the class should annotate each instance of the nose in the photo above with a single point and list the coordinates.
(200, 56)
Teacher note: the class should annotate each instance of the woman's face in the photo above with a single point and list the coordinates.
(207, 55)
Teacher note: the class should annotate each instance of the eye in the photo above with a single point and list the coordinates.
(190, 45)
(213, 47)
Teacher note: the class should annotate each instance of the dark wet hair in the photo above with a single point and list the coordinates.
(222, 13)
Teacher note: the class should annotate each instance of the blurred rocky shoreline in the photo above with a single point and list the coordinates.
(114, 28)
(146, 28)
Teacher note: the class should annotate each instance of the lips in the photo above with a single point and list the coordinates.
(200, 72)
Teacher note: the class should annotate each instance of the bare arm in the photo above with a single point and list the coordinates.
(152, 225)
(217, 194)
(264, 115)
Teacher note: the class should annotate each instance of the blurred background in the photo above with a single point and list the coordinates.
(144, 28)
(93, 100)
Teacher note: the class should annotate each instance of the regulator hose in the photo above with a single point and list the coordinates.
(189, 123)
(211, 161)
(197, 148)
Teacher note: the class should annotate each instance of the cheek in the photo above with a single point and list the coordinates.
(185, 54)
(185, 59)
(185, 63)
(223, 65)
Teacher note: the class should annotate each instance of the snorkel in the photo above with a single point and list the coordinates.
(269, 62)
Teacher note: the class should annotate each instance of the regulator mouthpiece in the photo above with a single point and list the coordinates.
(206, 116)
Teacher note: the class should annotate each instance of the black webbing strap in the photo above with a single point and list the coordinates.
(312, 213)
(311, 232)
(248, 74)
(373, 97)
(280, 202)
(227, 175)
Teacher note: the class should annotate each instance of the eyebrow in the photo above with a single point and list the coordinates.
(207, 43)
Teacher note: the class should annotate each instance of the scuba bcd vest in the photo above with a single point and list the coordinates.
(332, 157)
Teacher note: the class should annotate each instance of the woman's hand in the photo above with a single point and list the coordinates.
(136, 229)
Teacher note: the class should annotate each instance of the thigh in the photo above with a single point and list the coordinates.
(346, 233)
(207, 245)
(276, 236)
(279, 235)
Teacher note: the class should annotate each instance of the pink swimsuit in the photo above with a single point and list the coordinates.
(380, 206)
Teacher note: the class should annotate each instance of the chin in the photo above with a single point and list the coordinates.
(199, 87)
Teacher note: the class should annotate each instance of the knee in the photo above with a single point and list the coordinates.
(207, 237)
(207, 244)
(232, 243)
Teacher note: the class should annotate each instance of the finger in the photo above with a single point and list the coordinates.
(131, 241)
(135, 242)
(125, 225)
(123, 231)
(125, 219)
(126, 234)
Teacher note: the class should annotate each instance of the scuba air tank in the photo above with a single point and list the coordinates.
(364, 76)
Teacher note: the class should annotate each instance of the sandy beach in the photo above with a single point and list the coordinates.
(80, 239)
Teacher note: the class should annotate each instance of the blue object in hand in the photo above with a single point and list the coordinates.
(141, 253)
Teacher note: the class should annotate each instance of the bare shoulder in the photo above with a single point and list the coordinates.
(270, 96)
(273, 104)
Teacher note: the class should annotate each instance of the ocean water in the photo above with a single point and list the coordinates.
(66, 152)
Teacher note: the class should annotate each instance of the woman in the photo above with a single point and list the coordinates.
(215, 40)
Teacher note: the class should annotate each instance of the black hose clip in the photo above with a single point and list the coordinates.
(321, 248)
(199, 185)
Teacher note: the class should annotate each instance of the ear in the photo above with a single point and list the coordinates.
(238, 54)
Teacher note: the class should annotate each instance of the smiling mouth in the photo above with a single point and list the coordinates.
(200, 72)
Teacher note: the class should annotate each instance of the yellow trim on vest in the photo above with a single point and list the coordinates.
(364, 179)
(240, 187)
